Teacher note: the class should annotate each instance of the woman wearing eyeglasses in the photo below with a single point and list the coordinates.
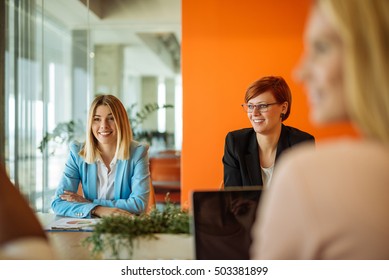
(251, 153)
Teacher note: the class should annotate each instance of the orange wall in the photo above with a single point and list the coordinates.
(226, 45)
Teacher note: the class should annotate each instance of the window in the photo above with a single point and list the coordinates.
(38, 86)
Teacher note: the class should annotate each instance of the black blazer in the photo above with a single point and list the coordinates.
(241, 154)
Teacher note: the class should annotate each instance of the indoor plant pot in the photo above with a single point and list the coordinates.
(159, 234)
(159, 246)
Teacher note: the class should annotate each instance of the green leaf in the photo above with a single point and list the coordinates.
(117, 231)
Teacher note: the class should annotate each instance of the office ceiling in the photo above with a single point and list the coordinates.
(151, 27)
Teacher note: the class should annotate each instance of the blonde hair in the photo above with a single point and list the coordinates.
(364, 29)
(90, 151)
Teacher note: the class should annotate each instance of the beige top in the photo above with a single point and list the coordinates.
(328, 203)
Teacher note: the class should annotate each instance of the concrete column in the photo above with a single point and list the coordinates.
(108, 69)
(170, 116)
(149, 95)
(79, 75)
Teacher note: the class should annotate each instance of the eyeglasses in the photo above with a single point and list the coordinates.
(263, 107)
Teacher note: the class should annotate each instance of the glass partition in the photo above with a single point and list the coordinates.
(58, 55)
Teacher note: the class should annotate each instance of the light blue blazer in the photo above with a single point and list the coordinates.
(131, 184)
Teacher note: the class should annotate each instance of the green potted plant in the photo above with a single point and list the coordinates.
(137, 117)
(159, 234)
(63, 133)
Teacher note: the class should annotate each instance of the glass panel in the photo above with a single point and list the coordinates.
(40, 51)
(23, 101)
(59, 54)
(65, 62)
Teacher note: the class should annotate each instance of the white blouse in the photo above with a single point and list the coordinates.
(267, 174)
(106, 179)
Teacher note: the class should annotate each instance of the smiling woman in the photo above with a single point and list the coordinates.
(331, 203)
(112, 168)
(103, 127)
(251, 153)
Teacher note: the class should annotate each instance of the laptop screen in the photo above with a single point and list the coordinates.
(222, 222)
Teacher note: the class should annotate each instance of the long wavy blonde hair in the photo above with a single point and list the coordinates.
(90, 151)
(364, 28)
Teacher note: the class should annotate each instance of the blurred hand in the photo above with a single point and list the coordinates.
(73, 197)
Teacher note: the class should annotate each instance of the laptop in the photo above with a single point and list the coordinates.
(222, 222)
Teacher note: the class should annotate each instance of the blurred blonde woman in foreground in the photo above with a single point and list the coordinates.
(332, 202)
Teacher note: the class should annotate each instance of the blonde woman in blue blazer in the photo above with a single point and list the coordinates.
(112, 168)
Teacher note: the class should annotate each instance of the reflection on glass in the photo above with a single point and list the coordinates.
(222, 223)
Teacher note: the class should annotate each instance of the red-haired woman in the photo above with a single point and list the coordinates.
(251, 153)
